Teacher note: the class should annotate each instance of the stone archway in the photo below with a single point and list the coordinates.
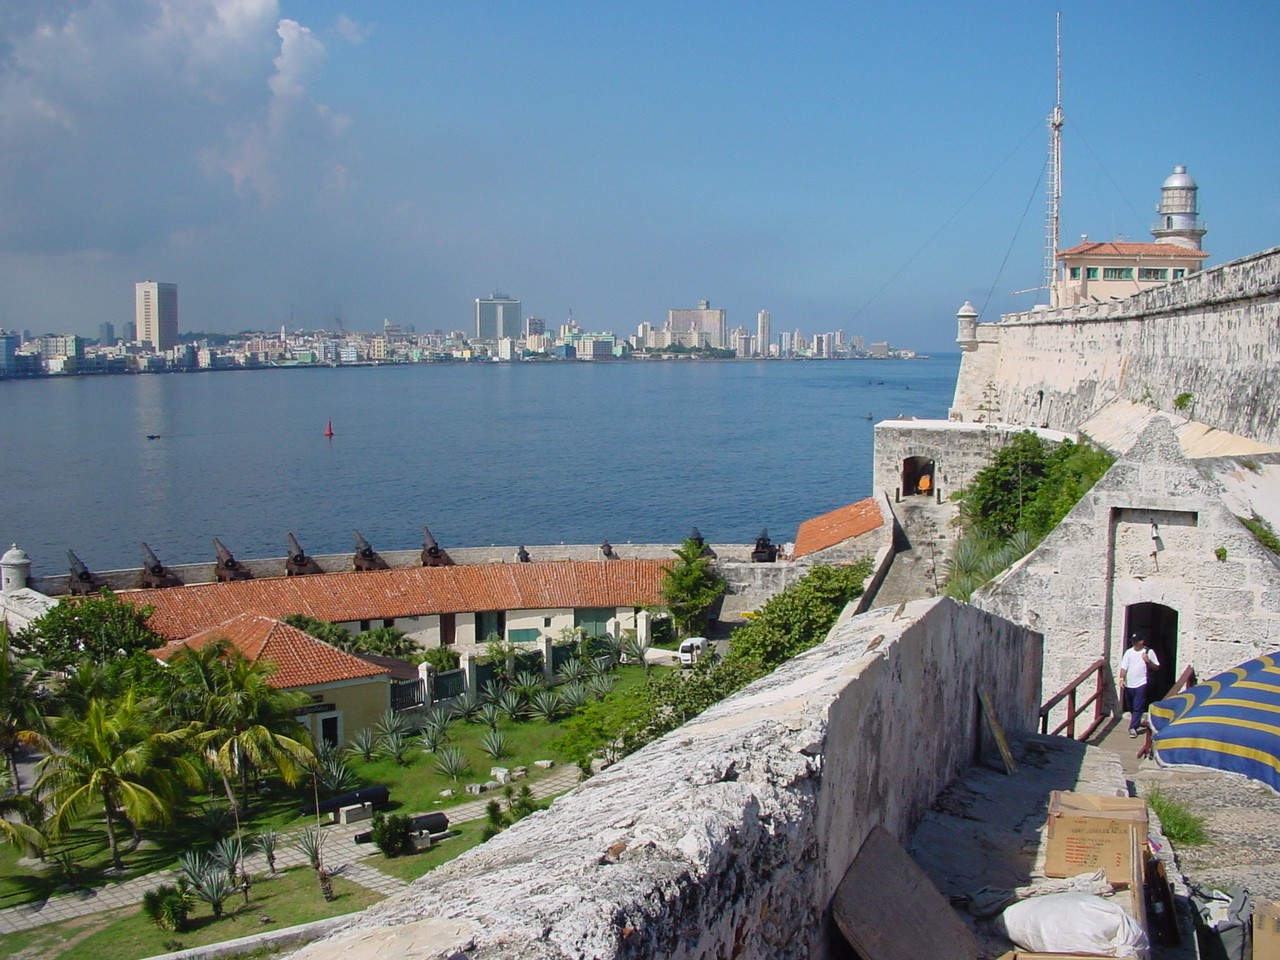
(914, 470)
(1159, 625)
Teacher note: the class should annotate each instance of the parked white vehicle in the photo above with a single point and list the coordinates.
(693, 649)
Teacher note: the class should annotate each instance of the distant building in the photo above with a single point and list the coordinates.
(497, 317)
(8, 354)
(156, 312)
(703, 327)
(1097, 272)
(879, 348)
(535, 326)
(762, 333)
(107, 334)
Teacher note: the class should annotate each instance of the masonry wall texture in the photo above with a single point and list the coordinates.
(728, 837)
(1214, 335)
(1078, 584)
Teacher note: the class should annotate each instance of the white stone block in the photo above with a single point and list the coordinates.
(355, 813)
(501, 774)
(544, 764)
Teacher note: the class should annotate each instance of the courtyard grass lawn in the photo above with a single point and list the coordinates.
(416, 786)
(288, 899)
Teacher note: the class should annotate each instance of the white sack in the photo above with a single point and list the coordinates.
(1074, 923)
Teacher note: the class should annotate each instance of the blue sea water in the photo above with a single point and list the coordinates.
(481, 453)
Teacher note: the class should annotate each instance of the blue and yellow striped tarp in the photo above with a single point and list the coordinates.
(1231, 722)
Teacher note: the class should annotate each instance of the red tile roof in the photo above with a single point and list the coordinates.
(837, 526)
(1146, 251)
(300, 658)
(407, 592)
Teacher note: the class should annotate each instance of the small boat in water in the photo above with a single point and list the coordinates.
(328, 430)
(153, 436)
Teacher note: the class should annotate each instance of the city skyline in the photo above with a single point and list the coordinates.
(839, 171)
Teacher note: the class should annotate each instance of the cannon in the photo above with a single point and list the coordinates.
(228, 568)
(696, 536)
(432, 554)
(82, 582)
(607, 552)
(154, 573)
(522, 555)
(765, 551)
(366, 557)
(297, 563)
(378, 796)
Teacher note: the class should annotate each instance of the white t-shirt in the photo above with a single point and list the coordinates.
(1134, 668)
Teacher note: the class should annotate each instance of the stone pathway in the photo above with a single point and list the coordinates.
(926, 541)
(342, 855)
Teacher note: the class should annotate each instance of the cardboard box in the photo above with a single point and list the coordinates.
(1266, 930)
(1087, 832)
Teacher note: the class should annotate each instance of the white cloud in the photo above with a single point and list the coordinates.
(351, 31)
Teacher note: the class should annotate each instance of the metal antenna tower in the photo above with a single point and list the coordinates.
(1054, 190)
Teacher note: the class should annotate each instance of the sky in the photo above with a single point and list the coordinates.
(865, 167)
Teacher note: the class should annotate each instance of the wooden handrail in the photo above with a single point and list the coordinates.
(1074, 708)
(1185, 679)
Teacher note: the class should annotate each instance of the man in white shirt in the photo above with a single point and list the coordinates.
(1135, 667)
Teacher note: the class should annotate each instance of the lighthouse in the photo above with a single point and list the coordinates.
(1178, 224)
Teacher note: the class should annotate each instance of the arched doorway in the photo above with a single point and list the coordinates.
(914, 470)
(1159, 625)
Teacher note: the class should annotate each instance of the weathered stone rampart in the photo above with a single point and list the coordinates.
(728, 837)
(1214, 336)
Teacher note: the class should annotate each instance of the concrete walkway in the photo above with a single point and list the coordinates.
(342, 855)
(925, 540)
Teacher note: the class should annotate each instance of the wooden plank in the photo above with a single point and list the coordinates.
(889, 909)
(997, 731)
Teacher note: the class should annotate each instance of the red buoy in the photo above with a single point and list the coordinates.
(328, 430)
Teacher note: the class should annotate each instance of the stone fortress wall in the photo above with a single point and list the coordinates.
(1214, 335)
(729, 836)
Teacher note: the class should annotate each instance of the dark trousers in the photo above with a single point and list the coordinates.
(1138, 702)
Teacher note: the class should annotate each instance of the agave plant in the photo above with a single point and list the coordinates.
(266, 842)
(491, 691)
(228, 854)
(391, 723)
(435, 732)
(365, 743)
(571, 670)
(452, 762)
(599, 686)
(495, 744)
(545, 705)
(395, 745)
(311, 844)
(598, 667)
(527, 683)
(574, 695)
(209, 880)
(217, 820)
(490, 714)
(334, 775)
(635, 649)
(467, 706)
(512, 705)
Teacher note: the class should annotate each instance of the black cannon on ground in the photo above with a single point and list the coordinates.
(82, 581)
(765, 551)
(378, 796)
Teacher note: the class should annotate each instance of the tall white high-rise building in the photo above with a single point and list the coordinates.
(156, 314)
(762, 333)
(497, 317)
(703, 327)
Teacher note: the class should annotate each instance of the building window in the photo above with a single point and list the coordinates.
(489, 622)
(524, 635)
(1073, 273)
(389, 622)
(364, 625)
(1179, 273)
(1091, 273)
(1117, 273)
(546, 622)
(1153, 273)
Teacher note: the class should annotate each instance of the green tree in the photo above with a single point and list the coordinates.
(440, 659)
(100, 628)
(242, 723)
(116, 755)
(690, 588)
(330, 633)
(384, 642)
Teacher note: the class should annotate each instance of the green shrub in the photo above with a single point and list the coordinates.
(441, 659)
(393, 834)
(452, 762)
(169, 906)
(495, 744)
(1262, 532)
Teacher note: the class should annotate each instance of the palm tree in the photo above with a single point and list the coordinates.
(116, 755)
(241, 722)
(19, 703)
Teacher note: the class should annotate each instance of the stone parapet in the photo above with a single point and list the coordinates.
(728, 836)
